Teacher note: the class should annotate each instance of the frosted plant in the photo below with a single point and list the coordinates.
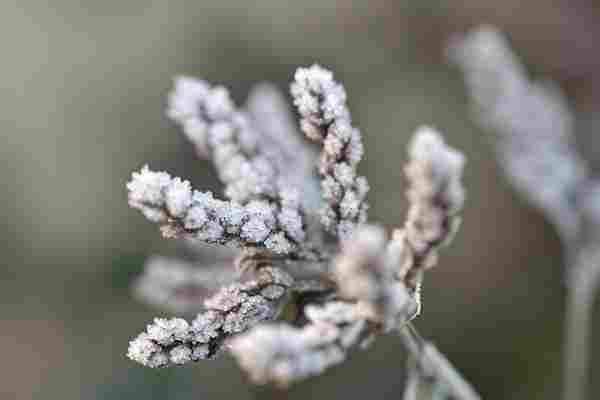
(321, 103)
(534, 135)
(524, 114)
(312, 280)
(233, 309)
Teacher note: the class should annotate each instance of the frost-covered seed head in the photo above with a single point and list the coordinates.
(523, 114)
(435, 168)
(267, 174)
(147, 186)
(196, 218)
(321, 102)
(178, 197)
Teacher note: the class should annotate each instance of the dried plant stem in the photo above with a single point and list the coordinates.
(583, 284)
(435, 365)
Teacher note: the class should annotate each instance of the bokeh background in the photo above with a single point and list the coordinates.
(82, 94)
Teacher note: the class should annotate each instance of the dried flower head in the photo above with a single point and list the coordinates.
(345, 280)
(321, 102)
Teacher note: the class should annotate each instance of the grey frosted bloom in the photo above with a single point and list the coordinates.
(200, 216)
(436, 196)
(321, 103)
(532, 124)
(312, 280)
(231, 310)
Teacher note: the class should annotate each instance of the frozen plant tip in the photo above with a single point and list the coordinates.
(321, 103)
(312, 279)
(182, 212)
(436, 196)
(283, 354)
(233, 309)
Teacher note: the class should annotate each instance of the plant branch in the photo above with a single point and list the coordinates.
(583, 284)
(434, 365)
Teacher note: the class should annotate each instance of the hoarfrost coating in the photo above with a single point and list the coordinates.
(310, 284)
(532, 123)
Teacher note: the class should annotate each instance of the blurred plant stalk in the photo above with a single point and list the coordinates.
(534, 137)
(431, 375)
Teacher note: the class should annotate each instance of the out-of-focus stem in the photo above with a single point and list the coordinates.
(583, 284)
(435, 365)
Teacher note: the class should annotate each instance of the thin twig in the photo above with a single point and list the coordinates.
(436, 365)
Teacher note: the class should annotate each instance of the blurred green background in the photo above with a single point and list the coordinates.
(82, 95)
